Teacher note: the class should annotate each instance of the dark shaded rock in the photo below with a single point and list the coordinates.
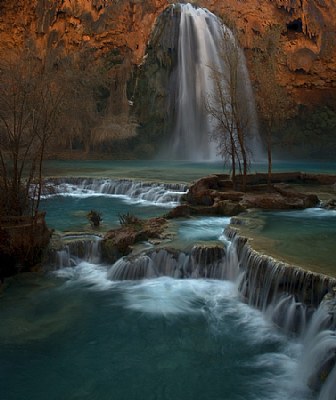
(180, 211)
(237, 221)
(280, 201)
(214, 182)
(118, 242)
(330, 204)
(321, 179)
(262, 178)
(23, 242)
(214, 194)
(306, 200)
(229, 208)
(202, 198)
(231, 195)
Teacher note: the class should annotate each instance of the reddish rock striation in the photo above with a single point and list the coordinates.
(308, 39)
(102, 25)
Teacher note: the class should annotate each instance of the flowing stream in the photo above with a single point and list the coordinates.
(111, 197)
(79, 332)
(200, 317)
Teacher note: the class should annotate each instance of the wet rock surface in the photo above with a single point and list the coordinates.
(118, 242)
(329, 204)
(214, 195)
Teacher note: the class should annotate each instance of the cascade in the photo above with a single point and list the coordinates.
(199, 46)
(294, 299)
(158, 193)
(318, 363)
(201, 262)
(265, 281)
(75, 248)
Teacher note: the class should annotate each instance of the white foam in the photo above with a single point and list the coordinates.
(132, 192)
(86, 274)
(168, 296)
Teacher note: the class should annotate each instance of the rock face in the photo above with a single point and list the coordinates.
(214, 195)
(308, 37)
(142, 54)
(308, 31)
(99, 24)
(118, 242)
(23, 241)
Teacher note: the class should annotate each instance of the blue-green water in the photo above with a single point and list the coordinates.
(170, 171)
(73, 334)
(303, 237)
(68, 207)
(70, 213)
(79, 336)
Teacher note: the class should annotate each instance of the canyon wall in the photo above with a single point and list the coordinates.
(121, 29)
(308, 31)
(307, 67)
(102, 25)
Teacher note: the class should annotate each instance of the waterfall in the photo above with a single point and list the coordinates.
(199, 47)
(167, 194)
(296, 300)
(72, 249)
(317, 366)
(208, 262)
(265, 280)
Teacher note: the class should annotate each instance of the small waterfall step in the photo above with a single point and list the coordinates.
(69, 250)
(209, 262)
(161, 193)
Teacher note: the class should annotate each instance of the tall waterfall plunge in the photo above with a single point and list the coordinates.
(199, 46)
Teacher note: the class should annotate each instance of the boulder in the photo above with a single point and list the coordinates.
(118, 242)
(279, 201)
(214, 195)
(228, 208)
(329, 204)
(182, 211)
(202, 198)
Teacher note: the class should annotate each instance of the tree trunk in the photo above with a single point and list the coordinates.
(233, 163)
(269, 157)
(244, 155)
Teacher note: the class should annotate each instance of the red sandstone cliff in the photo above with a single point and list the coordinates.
(99, 24)
(308, 69)
(308, 40)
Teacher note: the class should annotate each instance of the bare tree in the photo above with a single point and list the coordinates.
(228, 107)
(31, 102)
(83, 77)
(272, 99)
